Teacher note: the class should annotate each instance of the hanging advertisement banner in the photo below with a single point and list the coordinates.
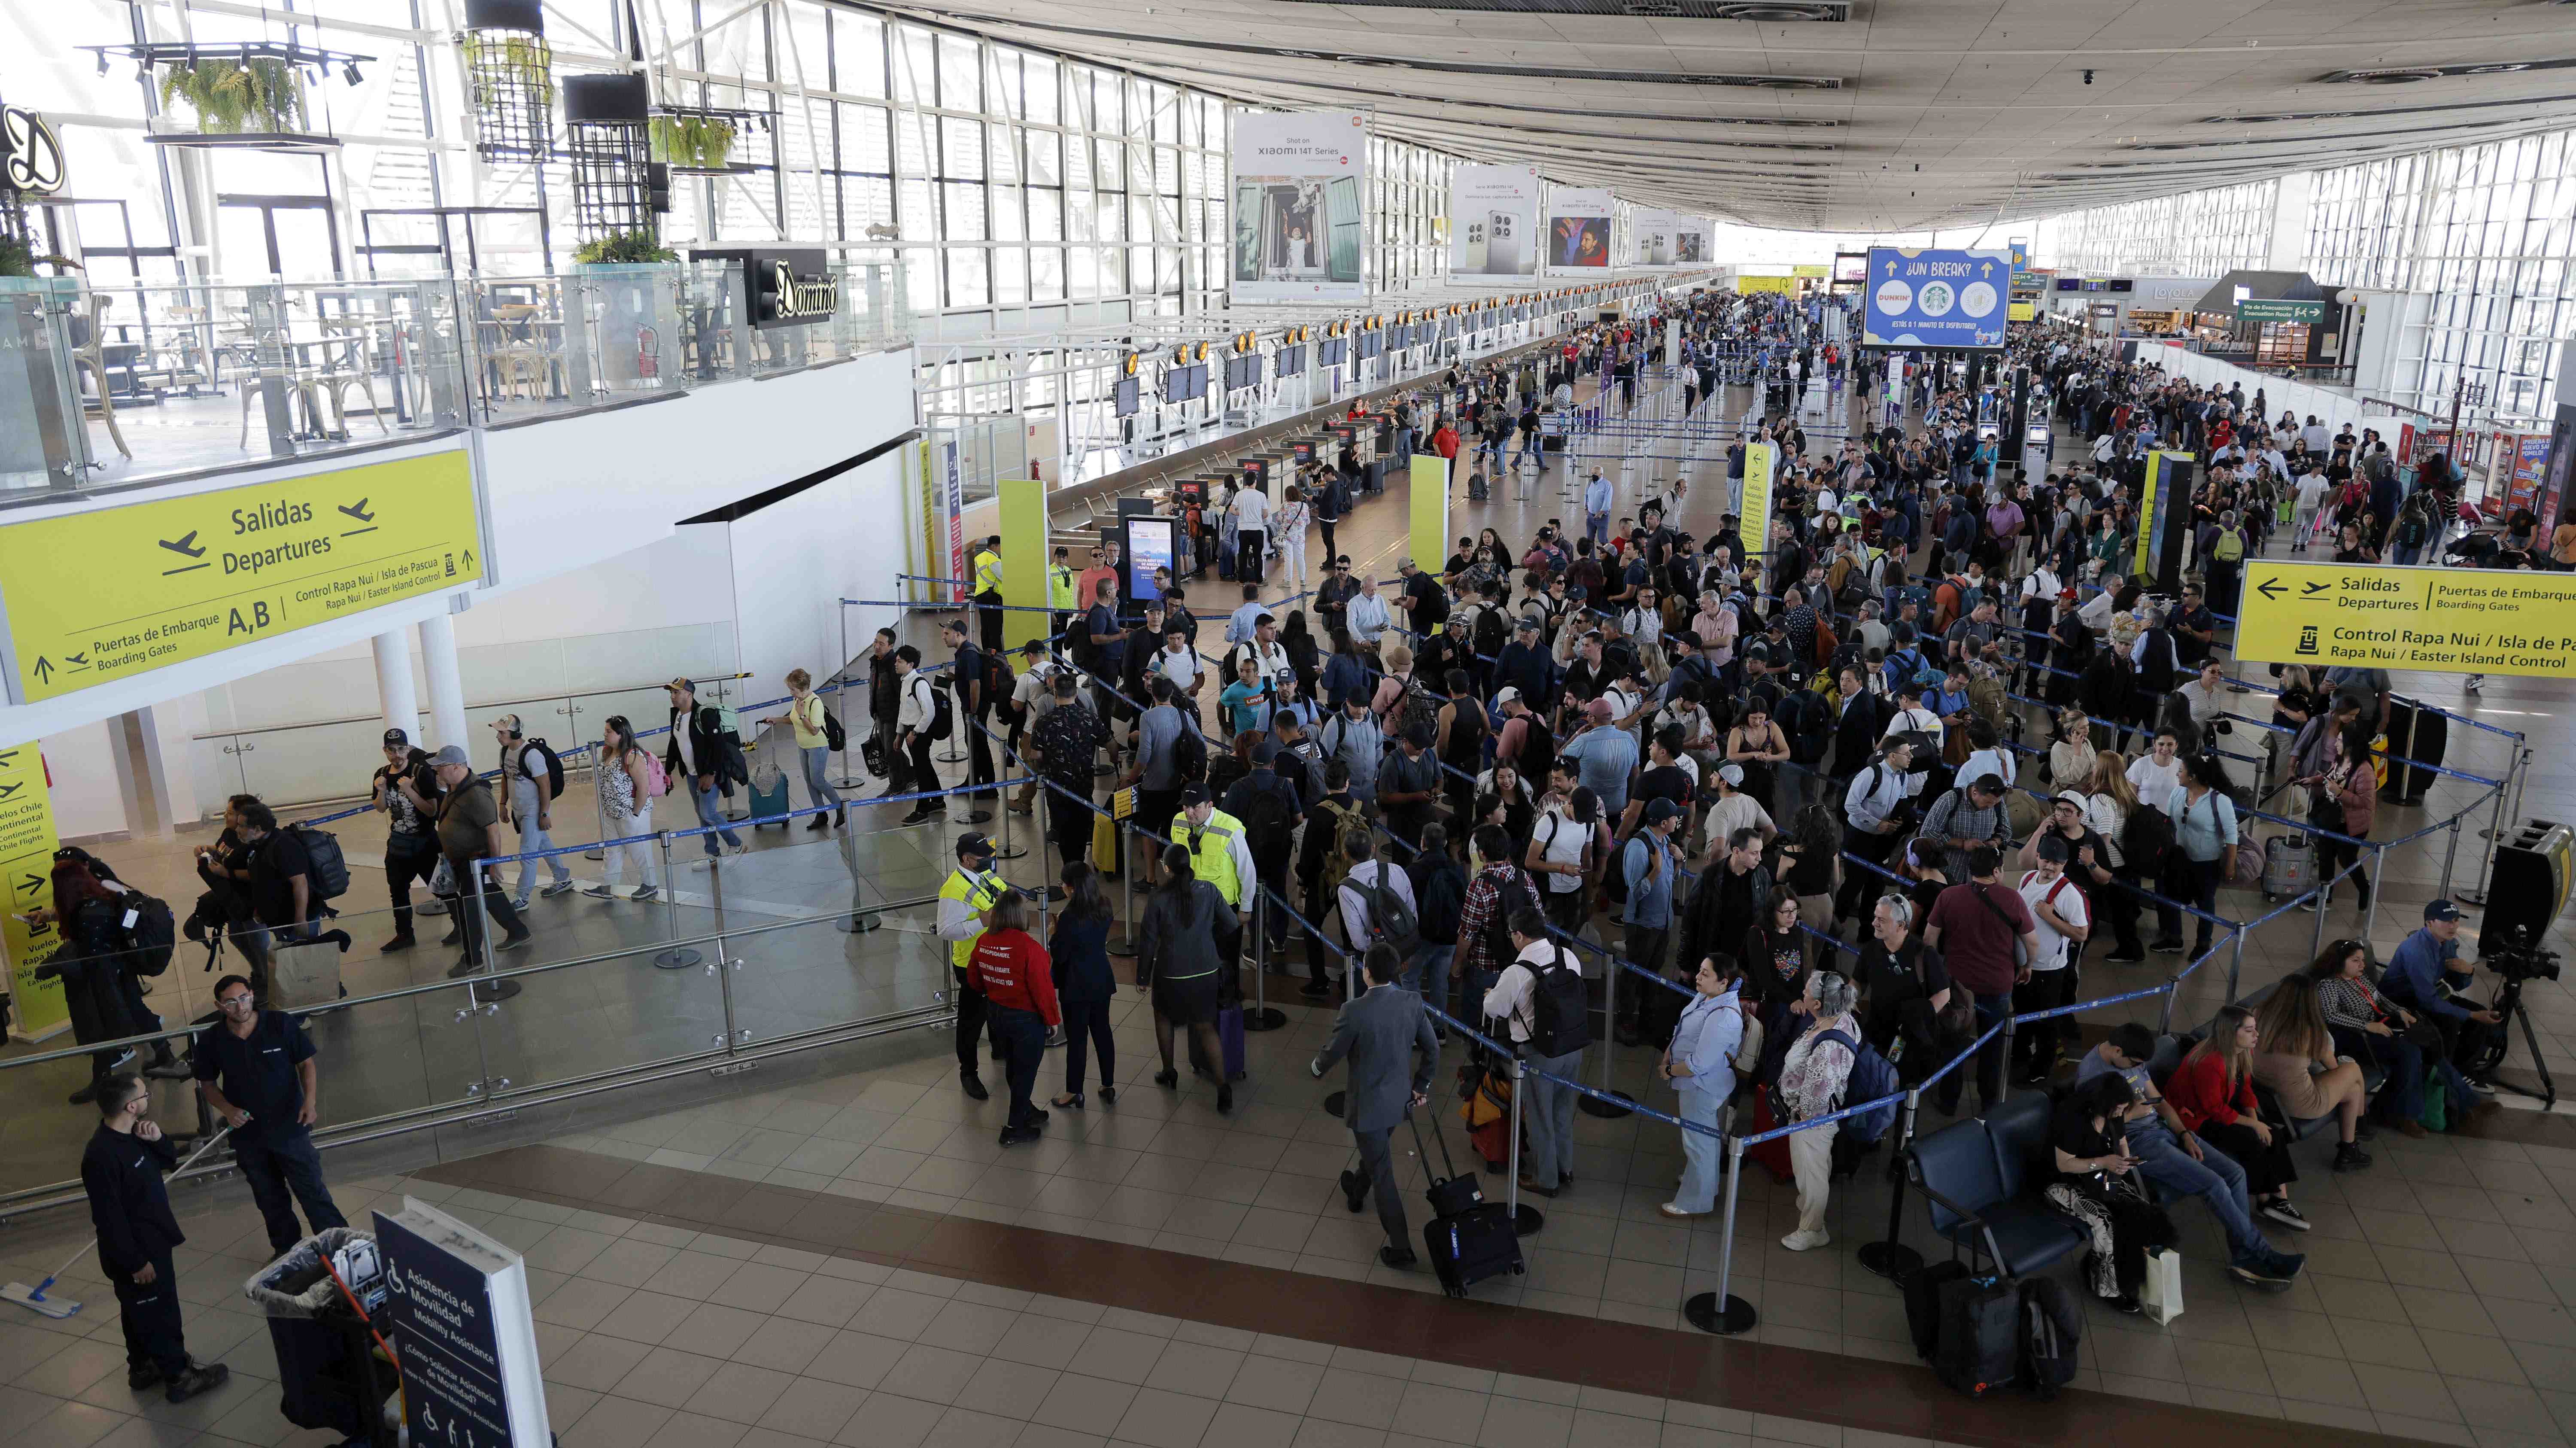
(1924, 298)
(27, 844)
(1656, 236)
(1578, 229)
(1299, 183)
(1494, 221)
(952, 502)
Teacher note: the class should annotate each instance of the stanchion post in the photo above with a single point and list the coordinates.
(2378, 863)
(859, 921)
(2235, 961)
(2317, 945)
(2486, 866)
(1124, 942)
(598, 798)
(1601, 1106)
(1891, 1258)
(1722, 1312)
(1263, 1016)
(723, 967)
(675, 956)
(1525, 1218)
(2451, 854)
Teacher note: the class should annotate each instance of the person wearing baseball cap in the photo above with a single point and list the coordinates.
(469, 828)
(2088, 864)
(1523, 663)
(527, 779)
(964, 897)
(2426, 976)
(405, 792)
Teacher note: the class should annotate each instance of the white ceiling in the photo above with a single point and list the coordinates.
(1933, 113)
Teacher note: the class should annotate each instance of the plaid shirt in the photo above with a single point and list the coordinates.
(1490, 898)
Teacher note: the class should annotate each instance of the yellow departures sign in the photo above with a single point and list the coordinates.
(115, 592)
(2472, 620)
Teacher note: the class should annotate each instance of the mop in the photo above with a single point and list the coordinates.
(34, 1297)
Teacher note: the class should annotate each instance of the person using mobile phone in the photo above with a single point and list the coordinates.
(2089, 1140)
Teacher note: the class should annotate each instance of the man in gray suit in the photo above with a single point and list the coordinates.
(1379, 1030)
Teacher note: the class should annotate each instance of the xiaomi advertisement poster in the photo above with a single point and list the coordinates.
(1669, 239)
(1298, 206)
(1578, 229)
(1494, 221)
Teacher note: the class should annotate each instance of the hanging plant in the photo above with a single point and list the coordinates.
(229, 95)
(17, 258)
(697, 143)
(518, 58)
(623, 247)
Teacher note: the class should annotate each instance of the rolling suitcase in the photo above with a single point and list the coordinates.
(2417, 734)
(2289, 866)
(1468, 1239)
(769, 798)
(1979, 1350)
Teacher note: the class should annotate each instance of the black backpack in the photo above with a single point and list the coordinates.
(2147, 841)
(943, 715)
(1560, 1016)
(2052, 1327)
(1488, 635)
(1189, 754)
(148, 932)
(1498, 929)
(1267, 824)
(835, 738)
(554, 766)
(330, 872)
(1391, 921)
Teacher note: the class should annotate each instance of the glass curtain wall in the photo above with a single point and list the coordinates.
(2486, 232)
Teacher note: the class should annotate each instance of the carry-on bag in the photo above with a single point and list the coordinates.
(1468, 1239)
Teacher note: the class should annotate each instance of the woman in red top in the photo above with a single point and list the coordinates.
(1017, 980)
(2213, 1092)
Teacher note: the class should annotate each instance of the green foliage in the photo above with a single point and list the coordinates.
(624, 246)
(233, 96)
(17, 258)
(702, 143)
(521, 58)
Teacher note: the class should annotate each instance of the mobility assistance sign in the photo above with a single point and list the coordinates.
(1926, 298)
(2474, 620)
(103, 595)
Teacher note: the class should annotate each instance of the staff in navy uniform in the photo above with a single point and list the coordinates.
(121, 1170)
(256, 1070)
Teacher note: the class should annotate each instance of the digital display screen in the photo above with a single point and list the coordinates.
(2070, 284)
(1149, 545)
(1289, 361)
(1332, 352)
(1185, 384)
(1370, 342)
(1123, 398)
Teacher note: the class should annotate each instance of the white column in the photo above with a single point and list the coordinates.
(397, 690)
(446, 689)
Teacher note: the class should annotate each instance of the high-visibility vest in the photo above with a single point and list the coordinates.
(1211, 858)
(979, 892)
(988, 572)
(1060, 591)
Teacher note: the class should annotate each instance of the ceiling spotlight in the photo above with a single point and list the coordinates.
(102, 62)
(349, 73)
(2088, 77)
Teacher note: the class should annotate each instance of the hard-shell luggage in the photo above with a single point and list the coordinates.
(1773, 1154)
(2289, 866)
(1468, 1239)
(769, 798)
(1229, 1038)
(2419, 735)
(1979, 1351)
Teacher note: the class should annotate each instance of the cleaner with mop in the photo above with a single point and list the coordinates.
(131, 1207)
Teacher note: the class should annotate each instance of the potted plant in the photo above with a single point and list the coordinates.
(623, 248)
(524, 59)
(230, 96)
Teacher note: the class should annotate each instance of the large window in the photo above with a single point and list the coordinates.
(2203, 234)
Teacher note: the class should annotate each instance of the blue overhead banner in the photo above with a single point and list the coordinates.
(1936, 298)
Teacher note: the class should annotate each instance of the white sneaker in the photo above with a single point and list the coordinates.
(1671, 1209)
(1806, 1241)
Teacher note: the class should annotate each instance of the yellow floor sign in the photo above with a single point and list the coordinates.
(2473, 620)
(119, 591)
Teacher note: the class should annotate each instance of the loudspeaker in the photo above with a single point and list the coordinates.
(2533, 869)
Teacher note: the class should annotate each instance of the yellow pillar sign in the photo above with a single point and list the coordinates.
(200, 574)
(27, 842)
(1429, 539)
(1753, 523)
(2472, 620)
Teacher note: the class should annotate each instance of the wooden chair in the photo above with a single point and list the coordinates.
(89, 350)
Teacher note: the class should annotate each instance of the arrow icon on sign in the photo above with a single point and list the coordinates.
(2270, 588)
(2311, 590)
(44, 669)
(30, 886)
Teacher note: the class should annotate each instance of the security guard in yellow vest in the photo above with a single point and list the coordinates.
(1063, 596)
(1220, 856)
(964, 896)
(987, 567)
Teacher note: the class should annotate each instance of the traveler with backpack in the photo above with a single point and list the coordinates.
(533, 777)
(288, 895)
(1813, 1079)
(411, 847)
(90, 961)
(1700, 1064)
(1376, 897)
(1542, 1001)
(815, 730)
(628, 777)
(1441, 888)
(1985, 933)
(469, 829)
(704, 752)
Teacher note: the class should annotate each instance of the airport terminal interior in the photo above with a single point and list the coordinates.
(1287, 723)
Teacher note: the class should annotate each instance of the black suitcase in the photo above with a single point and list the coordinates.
(1468, 1239)
(1923, 1303)
(2417, 734)
(1980, 1347)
